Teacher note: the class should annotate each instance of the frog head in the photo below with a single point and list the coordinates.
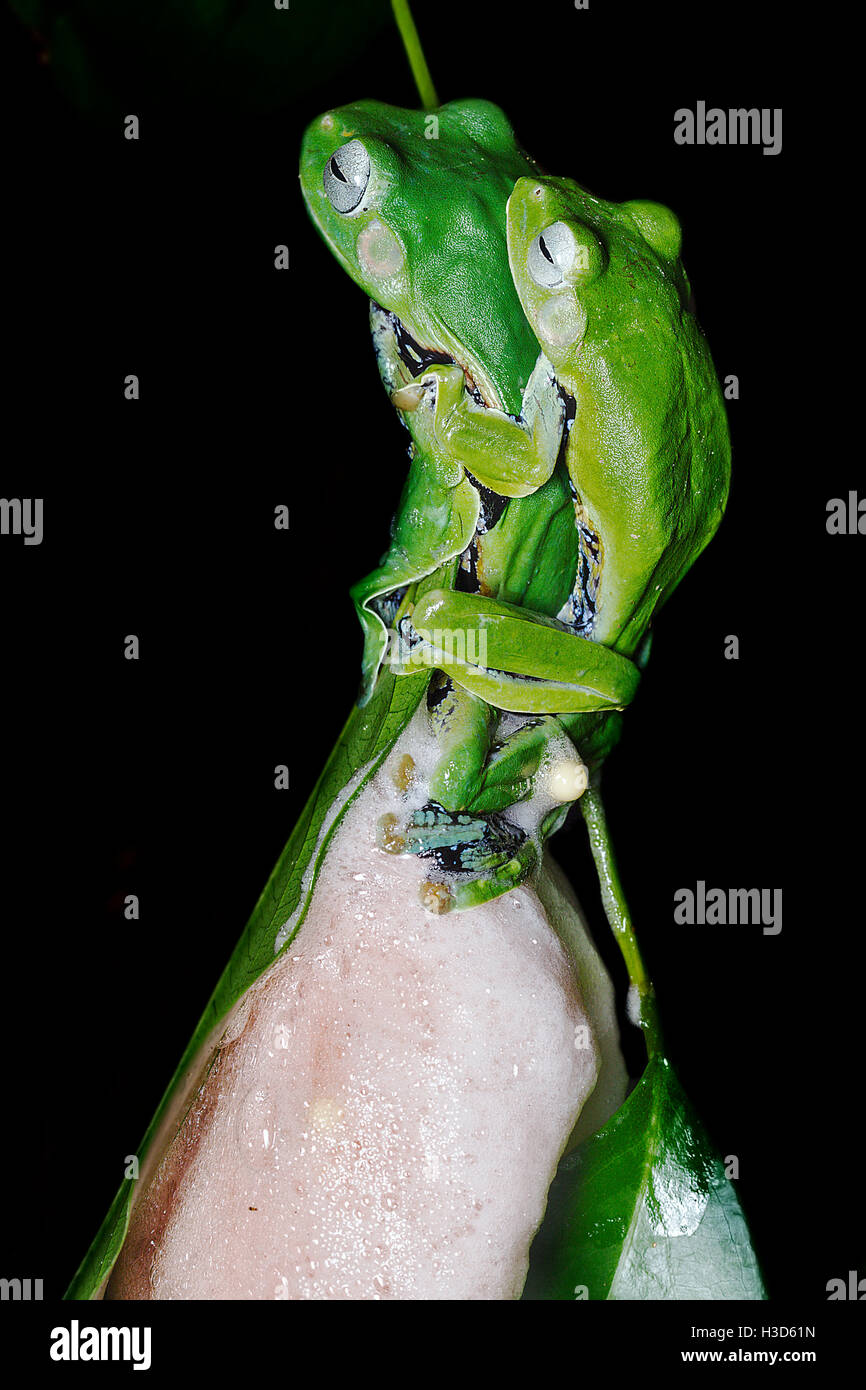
(604, 289)
(413, 206)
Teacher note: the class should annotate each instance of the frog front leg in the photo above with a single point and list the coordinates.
(512, 457)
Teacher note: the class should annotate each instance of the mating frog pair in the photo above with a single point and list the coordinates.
(569, 456)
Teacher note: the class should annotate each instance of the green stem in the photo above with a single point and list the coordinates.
(415, 54)
(618, 915)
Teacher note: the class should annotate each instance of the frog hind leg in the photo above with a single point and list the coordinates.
(462, 828)
(511, 772)
(460, 843)
(463, 725)
(480, 855)
(459, 894)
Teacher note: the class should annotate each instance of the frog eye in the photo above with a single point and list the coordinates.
(551, 255)
(346, 176)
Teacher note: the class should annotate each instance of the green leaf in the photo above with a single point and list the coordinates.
(99, 1260)
(365, 742)
(643, 1210)
(434, 524)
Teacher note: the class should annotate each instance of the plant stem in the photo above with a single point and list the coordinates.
(415, 54)
(619, 917)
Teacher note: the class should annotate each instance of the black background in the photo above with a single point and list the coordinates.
(260, 388)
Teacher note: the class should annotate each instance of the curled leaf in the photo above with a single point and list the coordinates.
(643, 1210)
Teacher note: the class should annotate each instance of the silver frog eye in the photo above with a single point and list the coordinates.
(551, 255)
(346, 176)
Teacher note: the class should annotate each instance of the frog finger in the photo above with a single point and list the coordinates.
(409, 397)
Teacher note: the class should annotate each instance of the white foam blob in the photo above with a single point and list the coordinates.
(391, 1099)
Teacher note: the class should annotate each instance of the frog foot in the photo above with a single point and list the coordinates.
(405, 363)
(459, 842)
(457, 895)
(485, 854)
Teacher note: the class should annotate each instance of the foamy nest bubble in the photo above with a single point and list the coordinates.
(388, 1103)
